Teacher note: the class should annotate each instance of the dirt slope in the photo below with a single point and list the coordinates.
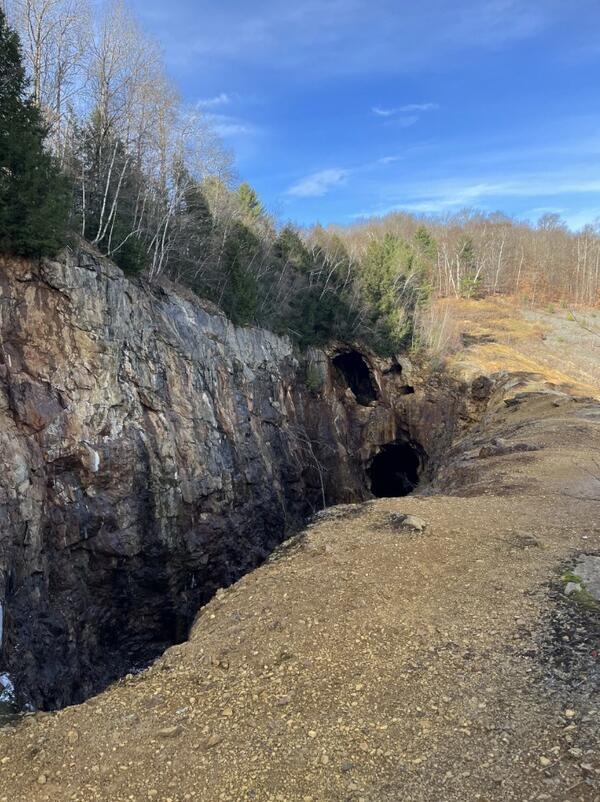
(367, 661)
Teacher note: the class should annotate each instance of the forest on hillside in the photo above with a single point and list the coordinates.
(98, 145)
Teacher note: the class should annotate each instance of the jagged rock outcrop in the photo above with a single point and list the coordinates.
(152, 452)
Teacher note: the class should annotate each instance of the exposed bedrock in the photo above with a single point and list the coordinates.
(152, 452)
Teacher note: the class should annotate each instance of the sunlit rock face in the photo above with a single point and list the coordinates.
(152, 452)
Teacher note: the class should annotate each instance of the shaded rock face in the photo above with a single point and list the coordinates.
(150, 453)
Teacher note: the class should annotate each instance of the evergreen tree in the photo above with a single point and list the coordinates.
(469, 281)
(108, 203)
(425, 244)
(34, 196)
(192, 228)
(240, 296)
(425, 262)
(290, 249)
(250, 205)
(389, 292)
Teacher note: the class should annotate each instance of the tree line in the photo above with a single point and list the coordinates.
(95, 143)
(472, 254)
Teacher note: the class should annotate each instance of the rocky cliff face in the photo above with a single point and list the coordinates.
(151, 452)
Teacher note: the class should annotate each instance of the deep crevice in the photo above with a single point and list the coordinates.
(355, 373)
(396, 470)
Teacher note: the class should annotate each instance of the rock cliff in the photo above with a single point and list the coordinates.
(152, 452)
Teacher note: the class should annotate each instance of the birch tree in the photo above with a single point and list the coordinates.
(55, 37)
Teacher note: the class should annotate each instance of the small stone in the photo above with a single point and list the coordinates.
(346, 766)
(169, 732)
(72, 736)
(412, 523)
(42, 779)
(587, 768)
(213, 741)
(312, 734)
(5, 760)
(545, 761)
(575, 752)
(570, 713)
(227, 712)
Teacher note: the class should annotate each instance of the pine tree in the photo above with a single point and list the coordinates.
(240, 297)
(425, 243)
(34, 196)
(389, 292)
(250, 205)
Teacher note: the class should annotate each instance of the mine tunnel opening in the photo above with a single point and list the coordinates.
(397, 469)
(354, 370)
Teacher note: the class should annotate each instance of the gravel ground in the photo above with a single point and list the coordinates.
(574, 338)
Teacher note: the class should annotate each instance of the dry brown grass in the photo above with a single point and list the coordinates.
(501, 334)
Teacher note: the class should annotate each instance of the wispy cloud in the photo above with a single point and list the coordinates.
(409, 108)
(414, 107)
(458, 193)
(351, 38)
(318, 184)
(403, 116)
(438, 197)
(219, 100)
(383, 112)
(229, 126)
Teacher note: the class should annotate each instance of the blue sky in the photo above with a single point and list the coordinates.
(346, 108)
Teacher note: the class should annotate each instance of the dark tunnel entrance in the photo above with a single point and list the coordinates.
(395, 470)
(355, 371)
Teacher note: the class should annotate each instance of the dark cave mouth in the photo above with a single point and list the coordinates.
(396, 469)
(355, 373)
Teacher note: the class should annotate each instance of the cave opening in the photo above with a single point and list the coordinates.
(396, 469)
(356, 374)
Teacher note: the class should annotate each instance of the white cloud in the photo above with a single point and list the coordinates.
(317, 184)
(228, 126)
(409, 108)
(412, 107)
(219, 100)
(437, 197)
(383, 112)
